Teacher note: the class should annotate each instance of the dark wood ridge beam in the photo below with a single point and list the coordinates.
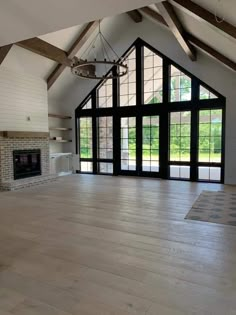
(135, 15)
(45, 49)
(82, 38)
(4, 50)
(74, 49)
(211, 51)
(206, 16)
(156, 17)
(153, 15)
(169, 15)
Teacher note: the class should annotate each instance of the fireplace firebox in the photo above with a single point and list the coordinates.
(27, 163)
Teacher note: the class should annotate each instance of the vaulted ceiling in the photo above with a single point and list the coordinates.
(29, 18)
(192, 23)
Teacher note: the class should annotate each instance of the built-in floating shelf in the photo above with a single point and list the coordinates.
(24, 134)
(62, 140)
(60, 128)
(59, 116)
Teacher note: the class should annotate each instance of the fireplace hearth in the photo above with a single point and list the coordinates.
(27, 163)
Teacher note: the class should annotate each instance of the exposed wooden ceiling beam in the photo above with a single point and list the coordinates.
(82, 38)
(135, 15)
(54, 75)
(45, 49)
(74, 49)
(4, 50)
(155, 16)
(176, 27)
(205, 15)
(211, 51)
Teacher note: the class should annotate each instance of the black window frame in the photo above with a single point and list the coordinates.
(162, 109)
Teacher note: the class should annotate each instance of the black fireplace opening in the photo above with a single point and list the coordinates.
(27, 163)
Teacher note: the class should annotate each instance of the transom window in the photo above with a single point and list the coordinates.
(180, 85)
(128, 82)
(152, 77)
(104, 94)
(205, 94)
(88, 104)
(159, 120)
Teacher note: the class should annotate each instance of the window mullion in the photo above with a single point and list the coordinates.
(194, 132)
(139, 100)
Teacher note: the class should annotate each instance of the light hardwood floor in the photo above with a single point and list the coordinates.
(100, 245)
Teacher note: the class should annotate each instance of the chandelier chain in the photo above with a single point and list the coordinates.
(219, 6)
(90, 46)
(88, 66)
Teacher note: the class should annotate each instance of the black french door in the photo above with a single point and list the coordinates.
(139, 145)
(128, 145)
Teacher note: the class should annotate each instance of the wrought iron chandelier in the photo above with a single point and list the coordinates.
(90, 66)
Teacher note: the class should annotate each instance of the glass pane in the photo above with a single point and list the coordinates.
(152, 74)
(124, 165)
(174, 171)
(105, 168)
(86, 167)
(128, 143)
(154, 166)
(180, 171)
(215, 173)
(180, 86)
(209, 173)
(128, 82)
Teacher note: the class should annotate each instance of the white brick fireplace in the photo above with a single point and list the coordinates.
(19, 141)
(23, 125)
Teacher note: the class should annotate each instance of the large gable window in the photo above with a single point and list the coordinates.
(158, 120)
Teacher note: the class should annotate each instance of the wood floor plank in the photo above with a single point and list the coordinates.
(100, 245)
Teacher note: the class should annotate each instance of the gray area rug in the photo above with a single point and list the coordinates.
(215, 207)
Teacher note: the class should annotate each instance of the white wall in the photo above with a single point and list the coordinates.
(25, 62)
(21, 96)
(207, 69)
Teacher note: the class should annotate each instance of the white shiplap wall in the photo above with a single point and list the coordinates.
(22, 96)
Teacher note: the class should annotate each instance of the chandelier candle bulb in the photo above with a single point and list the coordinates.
(88, 66)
